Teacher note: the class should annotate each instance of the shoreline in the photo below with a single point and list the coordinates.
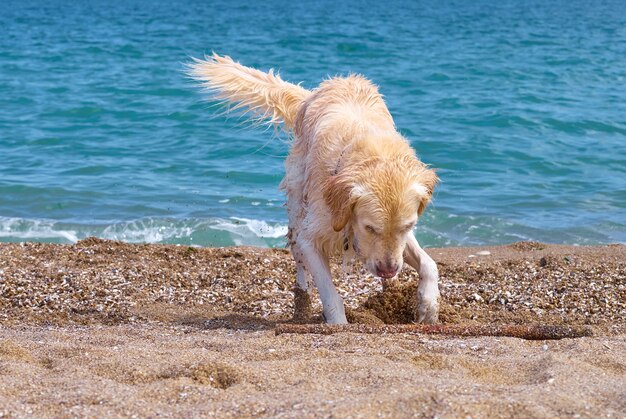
(99, 280)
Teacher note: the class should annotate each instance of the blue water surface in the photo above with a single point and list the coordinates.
(520, 105)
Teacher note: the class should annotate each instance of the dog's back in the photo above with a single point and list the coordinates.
(342, 104)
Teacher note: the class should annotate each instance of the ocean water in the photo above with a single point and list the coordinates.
(521, 106)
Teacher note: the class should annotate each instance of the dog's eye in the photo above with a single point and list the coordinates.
(371, 229)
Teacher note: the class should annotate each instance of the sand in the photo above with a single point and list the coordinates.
(106, 328)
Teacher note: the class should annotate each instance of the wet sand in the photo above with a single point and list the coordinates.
(105, 328)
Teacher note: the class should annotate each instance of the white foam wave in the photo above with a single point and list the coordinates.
(246, 231)
(147, 231)
(22, 229)
(238, 231)
(263, 229)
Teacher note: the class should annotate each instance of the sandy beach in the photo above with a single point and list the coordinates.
(106, 328)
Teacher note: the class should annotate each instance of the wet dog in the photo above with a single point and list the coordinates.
(353, 183)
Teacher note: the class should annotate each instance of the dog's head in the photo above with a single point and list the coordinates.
(380, 201)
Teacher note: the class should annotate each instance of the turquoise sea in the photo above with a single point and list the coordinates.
(521, 105)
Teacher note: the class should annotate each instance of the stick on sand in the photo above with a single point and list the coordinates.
(535, 332)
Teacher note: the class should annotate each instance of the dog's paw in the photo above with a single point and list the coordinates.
(427, 310)
(335, 315)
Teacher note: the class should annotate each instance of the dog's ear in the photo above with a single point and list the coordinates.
(340, 198)
(424, 186)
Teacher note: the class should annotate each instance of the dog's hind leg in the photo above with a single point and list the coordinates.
(302, 288)
(428, 287)
(317, 265)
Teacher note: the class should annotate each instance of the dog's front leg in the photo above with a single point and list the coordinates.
(428, 287)
(318, 267)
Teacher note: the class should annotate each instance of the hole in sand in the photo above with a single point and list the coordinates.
(395, 304)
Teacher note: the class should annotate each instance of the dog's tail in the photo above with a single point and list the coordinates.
(265, 95)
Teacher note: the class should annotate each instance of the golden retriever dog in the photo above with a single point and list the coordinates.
(353, 183)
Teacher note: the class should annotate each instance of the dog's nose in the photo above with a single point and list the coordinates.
(386, 271)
